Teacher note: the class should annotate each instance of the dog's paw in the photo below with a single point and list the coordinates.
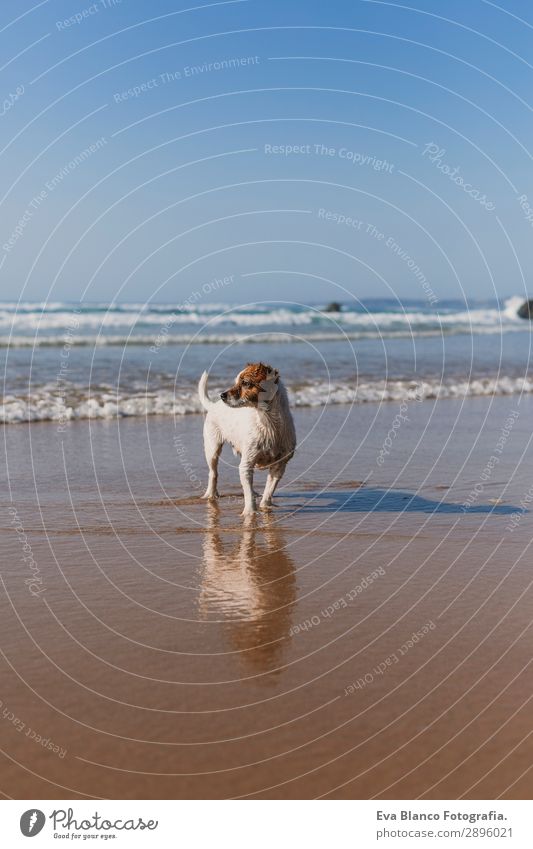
(249, 512)
(249, 521)
(266, 505)
(210, 496)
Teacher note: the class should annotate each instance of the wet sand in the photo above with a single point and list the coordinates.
(369, 638)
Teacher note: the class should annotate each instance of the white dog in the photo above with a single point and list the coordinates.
(254, 417)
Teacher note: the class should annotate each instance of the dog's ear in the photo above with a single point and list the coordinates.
(269, 387)
(272, 373)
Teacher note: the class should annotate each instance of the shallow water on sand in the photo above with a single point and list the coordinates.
(370, 637)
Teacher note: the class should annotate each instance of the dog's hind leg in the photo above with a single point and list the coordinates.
(275, 474)
(213, 447)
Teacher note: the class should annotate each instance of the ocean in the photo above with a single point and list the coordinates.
(64, 361)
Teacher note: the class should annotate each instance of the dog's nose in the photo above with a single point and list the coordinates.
(224, 396)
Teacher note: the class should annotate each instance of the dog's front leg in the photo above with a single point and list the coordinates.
(212, 453)
(246, 474)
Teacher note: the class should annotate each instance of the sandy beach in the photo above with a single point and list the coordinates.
(368, 638)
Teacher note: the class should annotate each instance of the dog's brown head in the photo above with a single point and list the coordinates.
(255, 386)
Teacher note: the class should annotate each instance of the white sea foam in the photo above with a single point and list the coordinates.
(183, 339)
(258, 338)
(44, 404)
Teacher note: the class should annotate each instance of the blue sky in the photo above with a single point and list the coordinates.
(315, 151)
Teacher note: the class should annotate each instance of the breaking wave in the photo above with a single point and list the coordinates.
(45, 404)
(35, 324)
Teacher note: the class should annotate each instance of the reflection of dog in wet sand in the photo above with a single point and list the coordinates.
(251, 584)
(253, 415)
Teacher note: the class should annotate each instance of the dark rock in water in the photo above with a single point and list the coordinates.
(334, 306)
(526, 310)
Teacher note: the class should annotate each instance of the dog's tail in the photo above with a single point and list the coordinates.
(202, 392)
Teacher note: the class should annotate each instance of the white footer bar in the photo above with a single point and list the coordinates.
(267, 824)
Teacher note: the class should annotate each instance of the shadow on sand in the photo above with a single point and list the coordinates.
(366, 500)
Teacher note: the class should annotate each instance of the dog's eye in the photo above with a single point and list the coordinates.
(246, 384)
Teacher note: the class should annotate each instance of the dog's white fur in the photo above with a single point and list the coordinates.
(263, 435)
